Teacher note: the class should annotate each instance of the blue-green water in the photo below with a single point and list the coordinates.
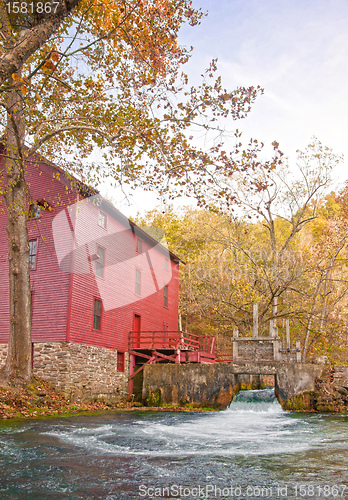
(252, 450)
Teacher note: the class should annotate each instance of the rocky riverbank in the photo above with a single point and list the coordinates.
(330, 393)
(41, 400)
(331, 390)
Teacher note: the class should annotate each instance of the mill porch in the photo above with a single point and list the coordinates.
(150, 347)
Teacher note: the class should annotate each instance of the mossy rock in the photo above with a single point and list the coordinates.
(255, 384)
(185, 400)
(246, 387)
(154, 398)
(300, 402)
(326, 407)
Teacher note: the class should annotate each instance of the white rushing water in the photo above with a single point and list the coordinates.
(255, 423)
(253, 445)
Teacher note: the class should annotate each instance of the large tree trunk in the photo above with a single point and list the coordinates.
(18, 368)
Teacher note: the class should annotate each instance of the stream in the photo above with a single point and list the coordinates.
(251, 450)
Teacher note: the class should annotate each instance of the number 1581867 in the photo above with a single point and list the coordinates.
(32, 7)
(320, 491)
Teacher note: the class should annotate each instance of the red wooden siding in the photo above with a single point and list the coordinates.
(64, 282)
(50, 285)
(117, 286)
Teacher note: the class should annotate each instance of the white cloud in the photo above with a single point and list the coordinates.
(297, 50)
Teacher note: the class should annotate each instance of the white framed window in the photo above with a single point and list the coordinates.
(32, 253)
(165, 296)
(139, 245)
(34, 211)
(37, 208)
(137, 282)
(102, 220)
(100, 262)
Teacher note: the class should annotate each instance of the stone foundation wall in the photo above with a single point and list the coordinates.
(79, 372)
(3, 353)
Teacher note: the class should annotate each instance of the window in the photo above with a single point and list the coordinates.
(102, 220)
(32, 254)
(37, 208)
(34, 211)
(97, 314)
(165, 296)
(139, 245)
(99, 266)
(137, 281)
(166, 264)
(120, 361)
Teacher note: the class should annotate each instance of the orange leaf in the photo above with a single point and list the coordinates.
(49, 64)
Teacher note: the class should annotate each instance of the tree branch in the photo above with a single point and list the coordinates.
(29, 40)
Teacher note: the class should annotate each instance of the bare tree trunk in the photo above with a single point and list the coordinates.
(327, 279)
(309, 323)
(323, 278)
(274, 310)
(18, 368)
(324, 304)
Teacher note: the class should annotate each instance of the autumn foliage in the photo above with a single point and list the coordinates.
(285, 249)
(97, 87)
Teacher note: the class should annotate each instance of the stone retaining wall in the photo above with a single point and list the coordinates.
(255, 351)
(331, 390)
(340, 376)
(296, 384)
(79, 372)
(299, 386)
(202, 385)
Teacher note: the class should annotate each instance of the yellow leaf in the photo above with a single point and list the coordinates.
(24, 89)
(15, 77)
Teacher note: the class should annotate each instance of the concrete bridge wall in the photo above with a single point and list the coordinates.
(201, 385)
(298, 386)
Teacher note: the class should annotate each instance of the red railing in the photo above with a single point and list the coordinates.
(224, 355)
(165, 339)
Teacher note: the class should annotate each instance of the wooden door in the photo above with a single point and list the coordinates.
(137, 330)
(165, 335)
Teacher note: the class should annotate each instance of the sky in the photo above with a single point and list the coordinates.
(297, 51)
